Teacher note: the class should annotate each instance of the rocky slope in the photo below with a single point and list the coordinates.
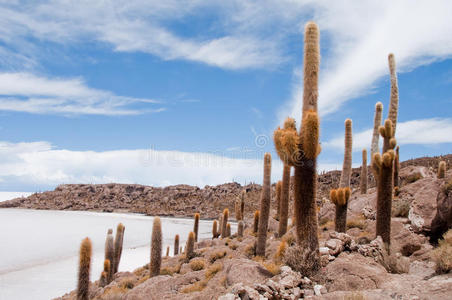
(354, 264)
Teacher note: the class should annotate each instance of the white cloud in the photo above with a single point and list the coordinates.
(360, 35)
(415, 132)
(26, 92)
(39, 164)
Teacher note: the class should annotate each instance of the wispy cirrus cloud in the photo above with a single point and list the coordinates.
(25, 92)
(415, 132)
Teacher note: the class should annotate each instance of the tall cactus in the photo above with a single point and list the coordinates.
(228, 230)
(256, 221)
(396, 167)
(265, 207)
(383, 167)
(176, 245)
(190, 246)
(224, 222)
(110, 253)
(363, 176)
(242, 205)
(83, 270)
(156, 248)
(340, 199)
(215, 232)
(442, 169)
(347, 164)
(301, 149)
(394, 100)
(278, 199)
(284, 213)
(119, 240)
(377, 124)
(196, 226)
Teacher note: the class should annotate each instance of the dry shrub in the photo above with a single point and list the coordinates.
(302, 260)
(233, 246)
(323, 221)
(127, 283)
(143, 279)
(213, 269)
(250, 250)
(217, 255)
(442, 255)
(401, 207)
(358, 222)
(197, 264)
(279, 255)
(195, 287)
(413, 177)
(114, 293)
(289, 238)
(170, 270)
(273, 268)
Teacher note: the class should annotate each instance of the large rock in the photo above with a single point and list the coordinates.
(245, 271)
(443, 218)
(350, 272)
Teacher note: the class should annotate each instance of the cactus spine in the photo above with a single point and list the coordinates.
(265, 207)
(176, 245)
(119, 240)
(256, 221)
(110, 253)
(394, 101)
(396, 167)
(224, 222)
(240, 229)
(301, 150)
(340, 199)
(284, 209)
(190, 246)
(363, 176)
(196, 226)
(278, 199)
(442, 169)
(84, 268)
(156, 248)
(377, 124)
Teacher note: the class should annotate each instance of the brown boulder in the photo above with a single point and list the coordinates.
(443, 218)
(245, 271)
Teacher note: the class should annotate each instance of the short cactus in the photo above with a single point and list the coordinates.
(441, 169)
(156, 248)
(387, 132)
(176, 245)
(278, 199)
(119, 240)
(256, 221)
(110, 253)
(190, 246)
(196, 226)
(340, 199)
(228, 230)
(284, 209)
(84, 269)
(377, 124)
(224, 222)
(240, 227)
(215, 232)
(363, 176)
(383, 167)
(265, 207)
(103, 281)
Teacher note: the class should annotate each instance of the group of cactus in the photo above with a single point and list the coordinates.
(113, 251)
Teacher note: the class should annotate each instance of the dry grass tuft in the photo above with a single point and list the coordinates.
(197, 264)
(272, 267)
(213, 269)
(217, 255)
(354, 296)
(250, 250)
(195, 287)
(280, 252)
(358, 222)
(442, 255)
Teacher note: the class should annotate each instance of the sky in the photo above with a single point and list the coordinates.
(190, 92)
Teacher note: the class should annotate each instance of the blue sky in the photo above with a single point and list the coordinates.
(168, 92)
